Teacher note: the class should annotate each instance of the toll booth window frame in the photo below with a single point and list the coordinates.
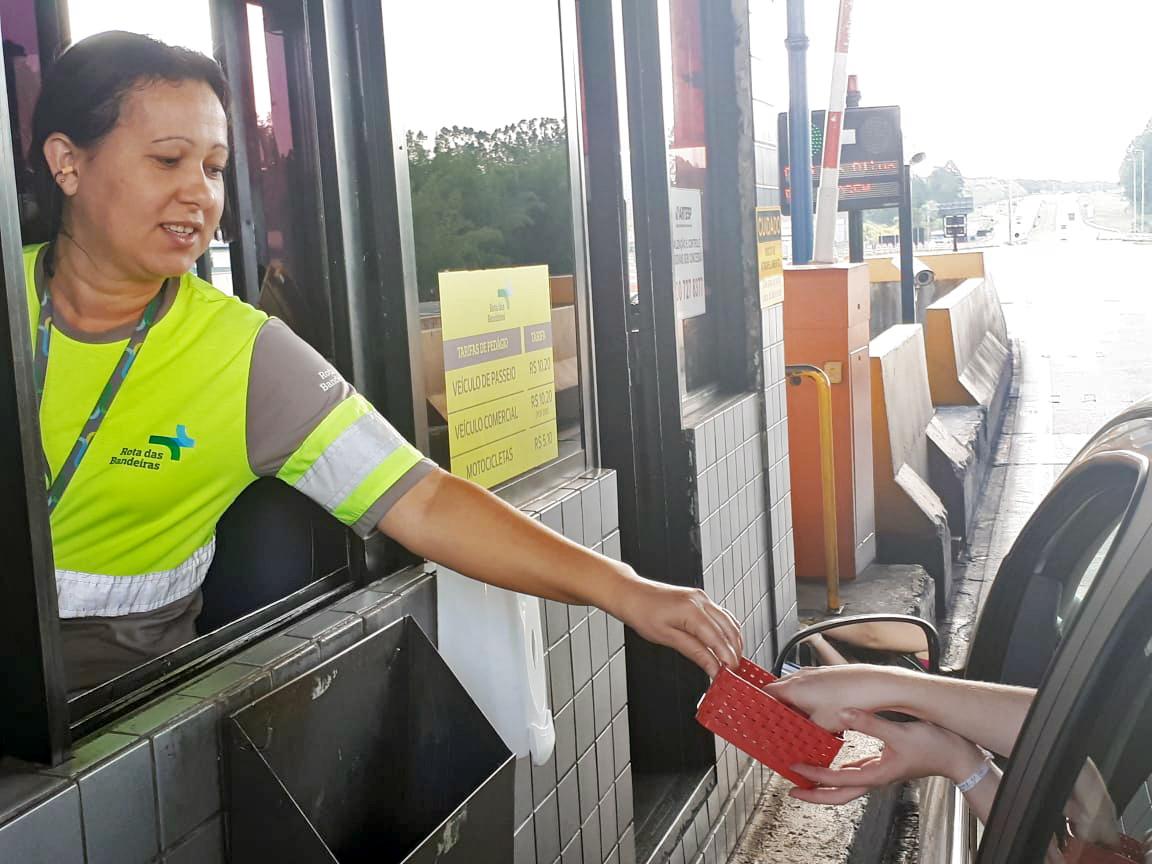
(569, 295)
(675, 772)
(698, 109)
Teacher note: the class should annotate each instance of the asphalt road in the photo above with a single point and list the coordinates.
(1078, 304)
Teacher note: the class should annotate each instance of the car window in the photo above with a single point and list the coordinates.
(1046, 576)
(1074, 587)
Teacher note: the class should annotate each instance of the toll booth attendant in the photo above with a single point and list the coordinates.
(161, 398)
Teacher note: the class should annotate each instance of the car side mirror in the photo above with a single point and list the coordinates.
(885, 639)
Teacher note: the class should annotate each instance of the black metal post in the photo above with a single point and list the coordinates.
(855, 217)
(233, 52)
(907, 281)
(855, 236)
(34, 716)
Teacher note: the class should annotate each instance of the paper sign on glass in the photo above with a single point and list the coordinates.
(500, 385)
(687, 252)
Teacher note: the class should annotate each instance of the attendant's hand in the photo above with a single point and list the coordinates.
(684, 619)
(911, 751)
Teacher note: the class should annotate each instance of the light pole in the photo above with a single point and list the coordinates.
(907, 285)
(1143, 188)
(1011, 221)
(1138, 188)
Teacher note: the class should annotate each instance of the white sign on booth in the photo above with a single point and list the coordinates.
(687, 252)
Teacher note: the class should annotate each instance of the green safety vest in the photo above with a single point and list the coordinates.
(136, 528)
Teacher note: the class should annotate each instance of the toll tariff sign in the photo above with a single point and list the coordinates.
(871, 158)
(499, 381)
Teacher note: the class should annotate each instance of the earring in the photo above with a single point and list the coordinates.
(62, 173)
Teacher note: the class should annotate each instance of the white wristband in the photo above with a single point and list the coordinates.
(979, 774)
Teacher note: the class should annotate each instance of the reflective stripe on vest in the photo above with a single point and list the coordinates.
(94, 594)
(348, 459)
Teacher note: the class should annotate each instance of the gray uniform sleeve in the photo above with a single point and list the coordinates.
(291, 389)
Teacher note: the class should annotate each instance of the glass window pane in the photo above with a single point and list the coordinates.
(1083, 574)
(218, 267)
(487, 141)
(22, 73)
(1052, 568)
(1078, 548)
(686, 130)
(290, 245)
(625, 151)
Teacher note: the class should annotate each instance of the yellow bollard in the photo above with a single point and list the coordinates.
(827, 472)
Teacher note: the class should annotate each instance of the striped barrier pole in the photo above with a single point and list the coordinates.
(828, 195)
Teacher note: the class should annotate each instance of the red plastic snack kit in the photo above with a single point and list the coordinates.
(739, 711)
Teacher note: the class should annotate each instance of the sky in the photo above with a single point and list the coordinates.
(1009, 88)
(505, 88)
(186, 23)
(507, 78)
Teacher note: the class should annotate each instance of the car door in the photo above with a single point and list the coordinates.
(1059, 555)
(1092, 717)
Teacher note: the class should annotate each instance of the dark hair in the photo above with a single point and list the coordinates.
(82, 96)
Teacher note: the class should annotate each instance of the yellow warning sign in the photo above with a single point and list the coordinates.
(769, 253)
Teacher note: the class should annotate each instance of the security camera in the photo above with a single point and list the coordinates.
(922, 274)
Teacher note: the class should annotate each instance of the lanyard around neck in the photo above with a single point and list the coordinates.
(57, 486)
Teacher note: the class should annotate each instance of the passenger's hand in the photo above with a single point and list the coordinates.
(684, 619)
(825, 653)
(824, 693)
(911, 751)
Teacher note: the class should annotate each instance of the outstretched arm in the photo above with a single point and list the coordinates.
(456, 523)
(989, 715)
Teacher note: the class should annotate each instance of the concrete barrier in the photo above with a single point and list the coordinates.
(967, 343)
(970, 375)
(908, 440)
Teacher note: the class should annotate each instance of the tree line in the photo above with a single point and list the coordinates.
(483, 199)
(1129, 179)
